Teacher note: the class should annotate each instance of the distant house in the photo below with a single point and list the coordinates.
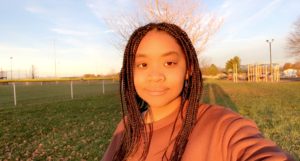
(222, 75)
(3, 75)
(289, 73)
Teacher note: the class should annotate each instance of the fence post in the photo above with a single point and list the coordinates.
(72, 96)
(103, 87)
(15, 96)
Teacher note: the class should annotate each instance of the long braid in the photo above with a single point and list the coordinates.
(135, 127)
(193, 93)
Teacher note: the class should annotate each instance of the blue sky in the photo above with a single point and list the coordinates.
(73, 32)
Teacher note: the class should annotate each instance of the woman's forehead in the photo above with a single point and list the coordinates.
(158, 43)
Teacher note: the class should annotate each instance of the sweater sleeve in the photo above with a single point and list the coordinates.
(245, 143)
(114, 143)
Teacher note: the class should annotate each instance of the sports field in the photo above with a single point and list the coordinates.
(47, 124)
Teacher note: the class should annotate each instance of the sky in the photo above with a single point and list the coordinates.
(71, 37)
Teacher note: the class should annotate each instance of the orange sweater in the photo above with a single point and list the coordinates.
(219, 135)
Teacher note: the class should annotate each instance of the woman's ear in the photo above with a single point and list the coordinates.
(188, 73)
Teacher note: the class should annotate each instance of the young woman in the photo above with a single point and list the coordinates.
(163, 119)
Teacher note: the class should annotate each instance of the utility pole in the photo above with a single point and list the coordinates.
(54, 58)
(270, 46)
(11, 77)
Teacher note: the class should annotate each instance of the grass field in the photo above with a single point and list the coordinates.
(47, 124)
(35, 93)
(275, 107)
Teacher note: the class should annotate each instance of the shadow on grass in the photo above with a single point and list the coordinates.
(222, 98)
(205, 95)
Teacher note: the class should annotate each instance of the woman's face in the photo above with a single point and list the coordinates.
(160, 69)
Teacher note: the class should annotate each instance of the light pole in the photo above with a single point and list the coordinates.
(270, 46)
(11, 77)
(54, 58)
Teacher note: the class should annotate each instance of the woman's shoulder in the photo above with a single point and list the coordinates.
(120, 126)
(239, 136)
(222, 118)
(216, 112)
(114, 142)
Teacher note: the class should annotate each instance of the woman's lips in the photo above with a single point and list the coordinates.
(156, 92)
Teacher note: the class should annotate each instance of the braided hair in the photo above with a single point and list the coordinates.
(135, 131)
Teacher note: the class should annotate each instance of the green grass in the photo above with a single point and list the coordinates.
(48, 124)
(35, 93)
(275, 107)
(74, 130)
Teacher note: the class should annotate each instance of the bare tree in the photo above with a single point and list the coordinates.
(205, 62)
(294, 40)
(188, 14)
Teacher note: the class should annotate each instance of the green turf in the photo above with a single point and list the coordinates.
(48, 124)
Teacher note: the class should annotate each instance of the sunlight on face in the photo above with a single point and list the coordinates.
(160, 69)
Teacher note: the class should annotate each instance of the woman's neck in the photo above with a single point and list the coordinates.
(154, 114)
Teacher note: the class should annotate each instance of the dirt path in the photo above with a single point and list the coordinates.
(212, 99)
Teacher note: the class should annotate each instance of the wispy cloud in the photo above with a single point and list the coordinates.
(104, 9)
(242, 15)
(70, 32)
(23, 57)
(109, 31)
(265, 11)
(258, 16)
(248, 24)
(224, 9)
(35, 9)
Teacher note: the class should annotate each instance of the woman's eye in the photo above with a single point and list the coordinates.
(142, 65)
(170, 63)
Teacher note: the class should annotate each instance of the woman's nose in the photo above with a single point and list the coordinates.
(156, 76)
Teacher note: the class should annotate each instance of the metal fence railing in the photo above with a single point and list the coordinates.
(15, 93)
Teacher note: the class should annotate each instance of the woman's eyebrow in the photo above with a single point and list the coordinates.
(141, 55)
(170, 53)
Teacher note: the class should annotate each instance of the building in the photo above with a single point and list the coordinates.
(3, 74)
(289, 73)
